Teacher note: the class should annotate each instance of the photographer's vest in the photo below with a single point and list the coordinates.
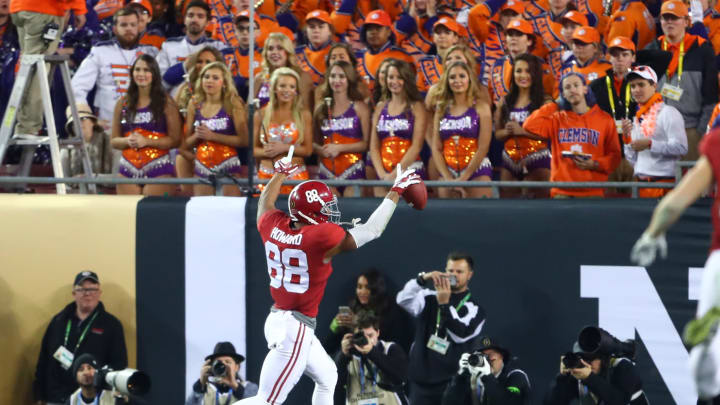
(588, 398)
(214, 397)
(363, 379)
(106, 398)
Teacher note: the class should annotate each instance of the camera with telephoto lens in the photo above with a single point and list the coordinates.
(218, 368)
(572, 360)
(476, 359)
(127, 382)
(599, 341)
(359, 339)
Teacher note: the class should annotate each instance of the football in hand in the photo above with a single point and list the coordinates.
(416, 195)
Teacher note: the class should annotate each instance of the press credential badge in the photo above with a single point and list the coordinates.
(671, 92)
(64, 356)
(438, 344)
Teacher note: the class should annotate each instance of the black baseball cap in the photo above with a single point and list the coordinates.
(85, 358)
(487, 342)
(86, 275)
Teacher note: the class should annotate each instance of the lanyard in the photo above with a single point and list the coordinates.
(82, 337)
(680, 58)
(611, 94)
(457, 308)
(361, 370)
(229, 398)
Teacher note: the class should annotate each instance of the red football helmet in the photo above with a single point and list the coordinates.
(312, 202)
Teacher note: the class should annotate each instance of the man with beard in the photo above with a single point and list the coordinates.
(107, 68)
(448, 321)
(583, 138)
(84, 368)
(175, 51)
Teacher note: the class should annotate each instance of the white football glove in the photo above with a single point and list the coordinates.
(484, 369)
(463, 363)
(404, 179)
(285, 164)
(474, 371)
(646, 248)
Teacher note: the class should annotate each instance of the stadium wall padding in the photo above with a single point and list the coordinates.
(533, 262)
(44, 242)
(544, 269)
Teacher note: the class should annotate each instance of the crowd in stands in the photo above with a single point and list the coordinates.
(459, 90)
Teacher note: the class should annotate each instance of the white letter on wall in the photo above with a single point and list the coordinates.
(628, 301)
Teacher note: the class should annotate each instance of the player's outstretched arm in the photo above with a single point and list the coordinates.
(361, 234)
(283, 169)
(670, 208)
(375, 225)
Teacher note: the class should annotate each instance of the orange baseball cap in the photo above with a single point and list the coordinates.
(576, 17)
(521, 25)
(246, 14)
(144, 3)
(450, 24)
(588, 35)
(514, 5)
(622, 43)
(321, 15)
(379, 17)
(674, 7)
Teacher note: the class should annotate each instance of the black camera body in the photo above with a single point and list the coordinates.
(50, 32)
(477, 359)
(572, 360)
(218, 368)
(359, 339)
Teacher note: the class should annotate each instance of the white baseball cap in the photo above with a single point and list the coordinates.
(645, 72)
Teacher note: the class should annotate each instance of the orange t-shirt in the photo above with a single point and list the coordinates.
(593, 133)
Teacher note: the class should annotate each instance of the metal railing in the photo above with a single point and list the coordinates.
(244, 182)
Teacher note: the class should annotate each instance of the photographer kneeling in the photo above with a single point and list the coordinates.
(84, 369)
(597, 371)
(486, 378)
(371, 370)
(219, 382)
